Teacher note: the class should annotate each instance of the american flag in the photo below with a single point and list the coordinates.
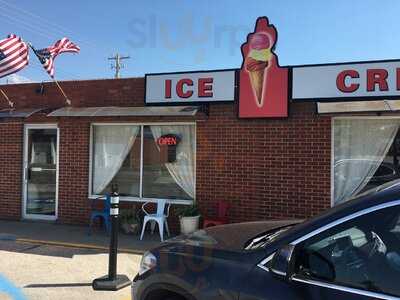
(47, 55)
(13, 55)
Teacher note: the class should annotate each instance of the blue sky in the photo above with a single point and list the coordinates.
(182, 35)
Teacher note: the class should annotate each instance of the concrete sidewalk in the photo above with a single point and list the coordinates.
(45, 272)
(73, 236)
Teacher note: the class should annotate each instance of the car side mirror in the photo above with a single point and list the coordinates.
(281, 263)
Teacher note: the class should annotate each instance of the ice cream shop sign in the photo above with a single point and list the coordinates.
(184, 88)
(340, 81)
(263, 90)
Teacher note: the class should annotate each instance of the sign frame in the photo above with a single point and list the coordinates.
(344, 98)
(235, 88)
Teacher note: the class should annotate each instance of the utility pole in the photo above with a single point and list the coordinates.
(118, 64)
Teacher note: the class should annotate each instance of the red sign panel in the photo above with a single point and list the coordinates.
(263, 83)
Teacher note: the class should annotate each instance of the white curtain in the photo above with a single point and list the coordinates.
(182, 170)
(360, 146)
(111, 146)
(33, 153)
(53, 151)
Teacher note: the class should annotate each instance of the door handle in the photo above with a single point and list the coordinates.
(28, 174)
(38, 169)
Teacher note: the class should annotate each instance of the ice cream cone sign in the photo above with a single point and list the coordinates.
(263, 83)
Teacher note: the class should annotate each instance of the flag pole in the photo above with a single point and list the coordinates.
(58, 85)
(8, 99)
(62, 91)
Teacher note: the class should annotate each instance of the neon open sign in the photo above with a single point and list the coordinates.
(168, 140)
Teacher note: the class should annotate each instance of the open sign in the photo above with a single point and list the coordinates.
(168, 144)
(168, 140)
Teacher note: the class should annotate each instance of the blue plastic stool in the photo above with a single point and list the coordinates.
(103, 214)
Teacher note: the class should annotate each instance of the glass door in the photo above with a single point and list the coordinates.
(40, 172)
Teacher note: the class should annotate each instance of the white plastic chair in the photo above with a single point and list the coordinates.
(160, 217)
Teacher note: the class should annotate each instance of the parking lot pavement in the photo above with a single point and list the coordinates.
(52, 272)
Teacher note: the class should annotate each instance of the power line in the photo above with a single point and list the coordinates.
(23, 24)
(117, 66)
(40, 26)
(36, 31)
(50, 26)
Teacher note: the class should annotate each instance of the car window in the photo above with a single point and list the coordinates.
(384, 171)
(355, 235)
(363, 253)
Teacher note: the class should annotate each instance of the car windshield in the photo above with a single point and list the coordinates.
(377, 189)
(266, 238)
(261, 241)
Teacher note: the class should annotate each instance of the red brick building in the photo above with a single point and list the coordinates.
(273, 141)
(265, 168)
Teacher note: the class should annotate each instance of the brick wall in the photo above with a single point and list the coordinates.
(266, 168)
(73, 171)
(120, 92)
(11, 137)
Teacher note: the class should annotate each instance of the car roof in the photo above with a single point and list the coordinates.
(383, 194)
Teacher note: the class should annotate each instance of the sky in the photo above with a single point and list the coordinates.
(187, 35)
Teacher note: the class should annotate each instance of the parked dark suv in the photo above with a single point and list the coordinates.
(350, 252)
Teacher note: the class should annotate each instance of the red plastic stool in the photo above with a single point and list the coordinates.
(222, 216)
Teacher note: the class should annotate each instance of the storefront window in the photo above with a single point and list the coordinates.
(167, 161)
(366, 152)
(116, 153)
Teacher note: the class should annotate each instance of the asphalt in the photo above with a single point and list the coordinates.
(47, 272)
(52, 261)
(73, 236)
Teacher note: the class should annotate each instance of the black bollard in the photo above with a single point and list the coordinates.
(112, 281)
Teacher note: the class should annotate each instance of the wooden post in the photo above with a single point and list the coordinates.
(8, 99)
(62, 91)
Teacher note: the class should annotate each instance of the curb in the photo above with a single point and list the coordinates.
(77, 245)
(7, 237)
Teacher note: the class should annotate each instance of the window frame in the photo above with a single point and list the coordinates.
(297, 278)
(141, 125)
(333, 144)
(311, 281)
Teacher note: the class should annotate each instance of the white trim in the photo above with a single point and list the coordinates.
(27, 127)
(366, 117)
(195, 164)
(141, 162)
(345, 219)
(141, 198)
(280, 273)
(141, 123)
(57, 170)
(344, 289)
(24, 173)
(41, 126)
(332, 162)
(262, 264)
(151, 200)
(333, 143)
(90, 161)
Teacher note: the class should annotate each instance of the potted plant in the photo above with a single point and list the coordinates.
(189, 217)
(129, 221)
